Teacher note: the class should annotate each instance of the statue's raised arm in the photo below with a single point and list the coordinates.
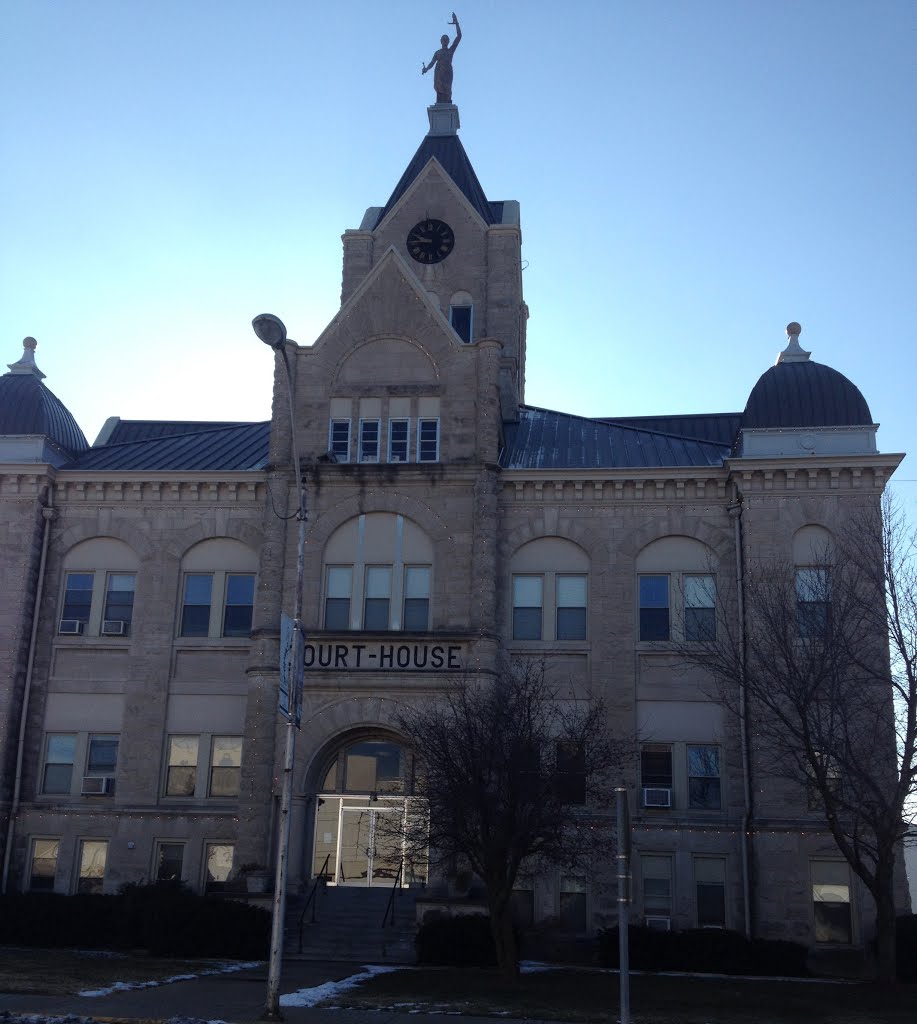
(442, 61)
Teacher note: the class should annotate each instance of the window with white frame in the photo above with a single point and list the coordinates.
(170, 861)
(101, 765)
(218, 590)
(369, 440)
(60, 754)
(710, 891)
(225, 766)
(93, 856)
(704, 777)
(181, 765)
(831, 902)
(676, 591)
(43, 864)
(656, 872)
(399, 440)
(550, 587)
(218, 858)
(378, 575)
(428, 440)
(183, 776)
(339, 439)
(99, 582)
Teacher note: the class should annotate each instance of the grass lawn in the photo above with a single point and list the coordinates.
(67, 971)
(593, 996)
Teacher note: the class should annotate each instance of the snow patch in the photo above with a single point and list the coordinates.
(128, 986)
(313, 996)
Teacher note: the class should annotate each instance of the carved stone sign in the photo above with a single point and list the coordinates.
(383, 657)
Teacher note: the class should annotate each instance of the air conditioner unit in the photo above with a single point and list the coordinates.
(98, 785)
(660, 924)
(71, 626)
(114, 627)
(657, 796)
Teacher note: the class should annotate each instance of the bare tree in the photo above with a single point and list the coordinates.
(824, 664)
(513, 773)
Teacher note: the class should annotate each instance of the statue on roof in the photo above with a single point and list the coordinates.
(442, 60)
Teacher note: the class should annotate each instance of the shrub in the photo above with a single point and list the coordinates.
(704, 951)
(462, 941)
(164, 918)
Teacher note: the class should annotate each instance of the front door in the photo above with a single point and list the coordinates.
(357, 841)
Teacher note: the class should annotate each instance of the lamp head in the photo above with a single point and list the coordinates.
(270, 329)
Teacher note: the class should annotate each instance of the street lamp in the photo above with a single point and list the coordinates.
(271, 331)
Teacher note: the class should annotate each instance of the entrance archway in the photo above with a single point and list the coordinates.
(361, 810)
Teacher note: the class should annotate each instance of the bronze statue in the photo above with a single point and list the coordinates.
(442, 77)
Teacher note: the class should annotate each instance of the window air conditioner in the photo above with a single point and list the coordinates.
(660, 924)
(71, 626)
(657, 796)
(98, 785)
(114, 627)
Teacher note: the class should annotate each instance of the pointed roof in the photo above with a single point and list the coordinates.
(449, 152)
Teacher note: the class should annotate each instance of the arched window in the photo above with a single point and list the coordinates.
(378, 575)
(100, 577)
(550, 581)
(676, 590)
(218, 589)
(461, 315)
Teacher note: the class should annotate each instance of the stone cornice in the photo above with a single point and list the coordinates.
(667, 483)
(794, 475)
(177, 488)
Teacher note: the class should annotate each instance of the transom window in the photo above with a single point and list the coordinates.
(387, 584)
(377, 767)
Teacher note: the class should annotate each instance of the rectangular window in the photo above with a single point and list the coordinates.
(240, 600)
(102, 758)
(218, 861)
(181, 770)
(119, 602)
(339, 440)
(377, 599)
(428, 440)
(571, 607)
(77, 597)
(195, 612)
(416, 598)
(831, 902)
(93, 855)
(461, 319)
(572, 904)
(654, 607)
(369, 440)
(225, 766)
(813, 602)
(528, 601)
(656, 775)
(398, 440)
(700, 608)
(523, 904)
(59, 757)
(169, 862)
(710, 891)
(704, 777)
(44, 864)
(571, 772)
(657, 887)
(337, 597)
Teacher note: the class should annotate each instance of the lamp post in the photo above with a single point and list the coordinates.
(271, 331)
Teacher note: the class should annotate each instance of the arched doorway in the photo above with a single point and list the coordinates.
(365, 800)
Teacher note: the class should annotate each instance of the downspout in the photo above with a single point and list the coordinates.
(735, 510)
(48, 514)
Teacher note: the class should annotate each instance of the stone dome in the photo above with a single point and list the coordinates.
(27, 407)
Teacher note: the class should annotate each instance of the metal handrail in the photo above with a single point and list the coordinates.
(311, 898)
(390, 906)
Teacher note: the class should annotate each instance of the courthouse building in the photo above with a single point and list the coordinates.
(450, 525)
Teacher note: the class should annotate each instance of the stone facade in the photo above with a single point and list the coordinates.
(447, 527)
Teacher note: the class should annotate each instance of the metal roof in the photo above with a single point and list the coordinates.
(544, 439)
(805, 394)
(719, 427)
(450, 153)
(28, 407)
(146, 430)
(213, 448)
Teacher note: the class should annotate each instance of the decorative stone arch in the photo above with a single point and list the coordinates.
(538, 527)
(118, 529)
(720, 541)
(354, 350)
(396, 504)
(208, 529)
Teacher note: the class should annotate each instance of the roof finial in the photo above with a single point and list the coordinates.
(793, 353)
(27, 363)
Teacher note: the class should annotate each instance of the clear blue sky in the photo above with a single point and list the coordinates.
(692, 175)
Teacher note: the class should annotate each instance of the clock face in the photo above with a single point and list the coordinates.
(430, 241)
